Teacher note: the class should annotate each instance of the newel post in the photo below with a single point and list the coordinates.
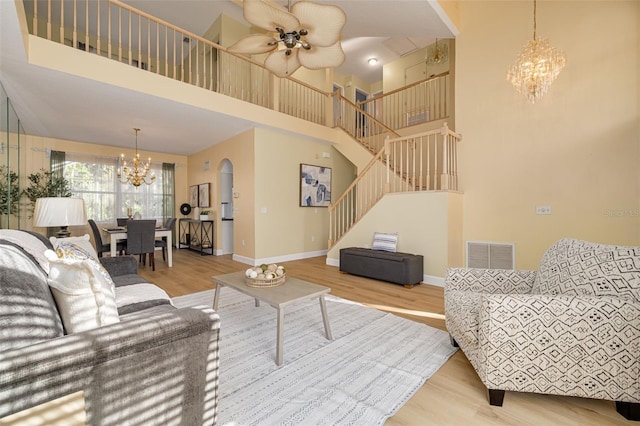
(445, 176)
(387, 150)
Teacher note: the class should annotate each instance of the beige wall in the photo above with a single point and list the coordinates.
(239, 150)
(427, 223)
(287, 229)
(577, 150)
(411, 68)
(351, 82)
(266, 169)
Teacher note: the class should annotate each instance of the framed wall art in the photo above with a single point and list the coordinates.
(203, 195)
(315, 186)
(193, 196)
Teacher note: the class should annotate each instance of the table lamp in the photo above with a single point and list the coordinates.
(59, 211)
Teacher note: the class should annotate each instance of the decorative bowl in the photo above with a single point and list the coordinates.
(265, 282)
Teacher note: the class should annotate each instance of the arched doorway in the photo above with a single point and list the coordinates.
(226, 206)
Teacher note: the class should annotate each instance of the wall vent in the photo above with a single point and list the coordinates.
(485, 254)
(417, 117)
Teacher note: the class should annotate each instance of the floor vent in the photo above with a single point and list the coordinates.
(484, 254)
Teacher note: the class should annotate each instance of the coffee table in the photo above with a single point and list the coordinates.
(292, 291)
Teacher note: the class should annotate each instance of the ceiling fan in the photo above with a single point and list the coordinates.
(307, 35)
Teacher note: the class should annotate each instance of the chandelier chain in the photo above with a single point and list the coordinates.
(534, 20)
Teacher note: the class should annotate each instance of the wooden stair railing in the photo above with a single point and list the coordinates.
(359, 124)
(421, 102)
(422, 162)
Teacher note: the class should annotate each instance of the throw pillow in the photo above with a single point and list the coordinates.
(82, 289)
(385, 241)
(84, 242)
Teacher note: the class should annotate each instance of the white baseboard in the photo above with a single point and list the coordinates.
(433, 280)
(333, 262)
(279, 259)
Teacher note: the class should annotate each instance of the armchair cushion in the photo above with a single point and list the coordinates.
(578, 267)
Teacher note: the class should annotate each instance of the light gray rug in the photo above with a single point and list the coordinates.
(374, 364)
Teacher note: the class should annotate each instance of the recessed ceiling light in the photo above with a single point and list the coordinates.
(372, 61)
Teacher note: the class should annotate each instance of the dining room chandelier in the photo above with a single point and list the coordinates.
(135, 172)
(537, 66)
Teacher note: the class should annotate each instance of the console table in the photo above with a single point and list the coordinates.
(196, 235)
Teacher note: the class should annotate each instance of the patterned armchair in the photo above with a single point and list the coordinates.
(570, 328)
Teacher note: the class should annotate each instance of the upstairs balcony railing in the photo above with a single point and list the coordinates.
(117, 31)
(417, 103)
(421, 162)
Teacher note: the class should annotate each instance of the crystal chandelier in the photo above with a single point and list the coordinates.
(437, 54)
(538, 66)
(135, 172)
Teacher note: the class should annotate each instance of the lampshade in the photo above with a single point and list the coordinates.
(59, 211)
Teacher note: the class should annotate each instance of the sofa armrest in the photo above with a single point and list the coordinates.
(147, 369)
(493, 281)
(568, 345)
(120, 265)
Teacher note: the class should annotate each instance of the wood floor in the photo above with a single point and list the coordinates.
(453, 396)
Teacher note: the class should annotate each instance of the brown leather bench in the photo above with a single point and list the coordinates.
(399, 268)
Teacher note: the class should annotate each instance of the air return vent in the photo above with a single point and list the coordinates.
(484, 254)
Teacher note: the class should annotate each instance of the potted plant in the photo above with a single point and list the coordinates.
(45, 184)
(9, 194)
(204, 214)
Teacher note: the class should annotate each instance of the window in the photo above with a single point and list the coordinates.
(95, 180)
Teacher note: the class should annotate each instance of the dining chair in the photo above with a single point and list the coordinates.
(141, 236)
(122, 221)
(100, 246)
(170, 223)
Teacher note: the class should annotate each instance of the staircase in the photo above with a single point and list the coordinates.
(425, 161)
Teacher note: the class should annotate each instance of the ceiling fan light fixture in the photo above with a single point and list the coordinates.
(309, 31)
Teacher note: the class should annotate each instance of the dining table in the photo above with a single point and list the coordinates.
(120, 233)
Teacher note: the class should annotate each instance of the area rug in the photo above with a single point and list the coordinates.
(374, 364)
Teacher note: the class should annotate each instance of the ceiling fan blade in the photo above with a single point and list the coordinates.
(268, 17)
(254, 44)
(281, 64)
(323, 22)
(322, 57)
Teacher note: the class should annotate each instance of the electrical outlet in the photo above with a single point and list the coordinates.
(313, 238)
(242, 243)
(543, 209)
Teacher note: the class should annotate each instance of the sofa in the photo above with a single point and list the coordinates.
(570, 328)
(395, 267)
(137, 358)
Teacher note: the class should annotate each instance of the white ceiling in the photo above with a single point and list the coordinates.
(53, 104)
